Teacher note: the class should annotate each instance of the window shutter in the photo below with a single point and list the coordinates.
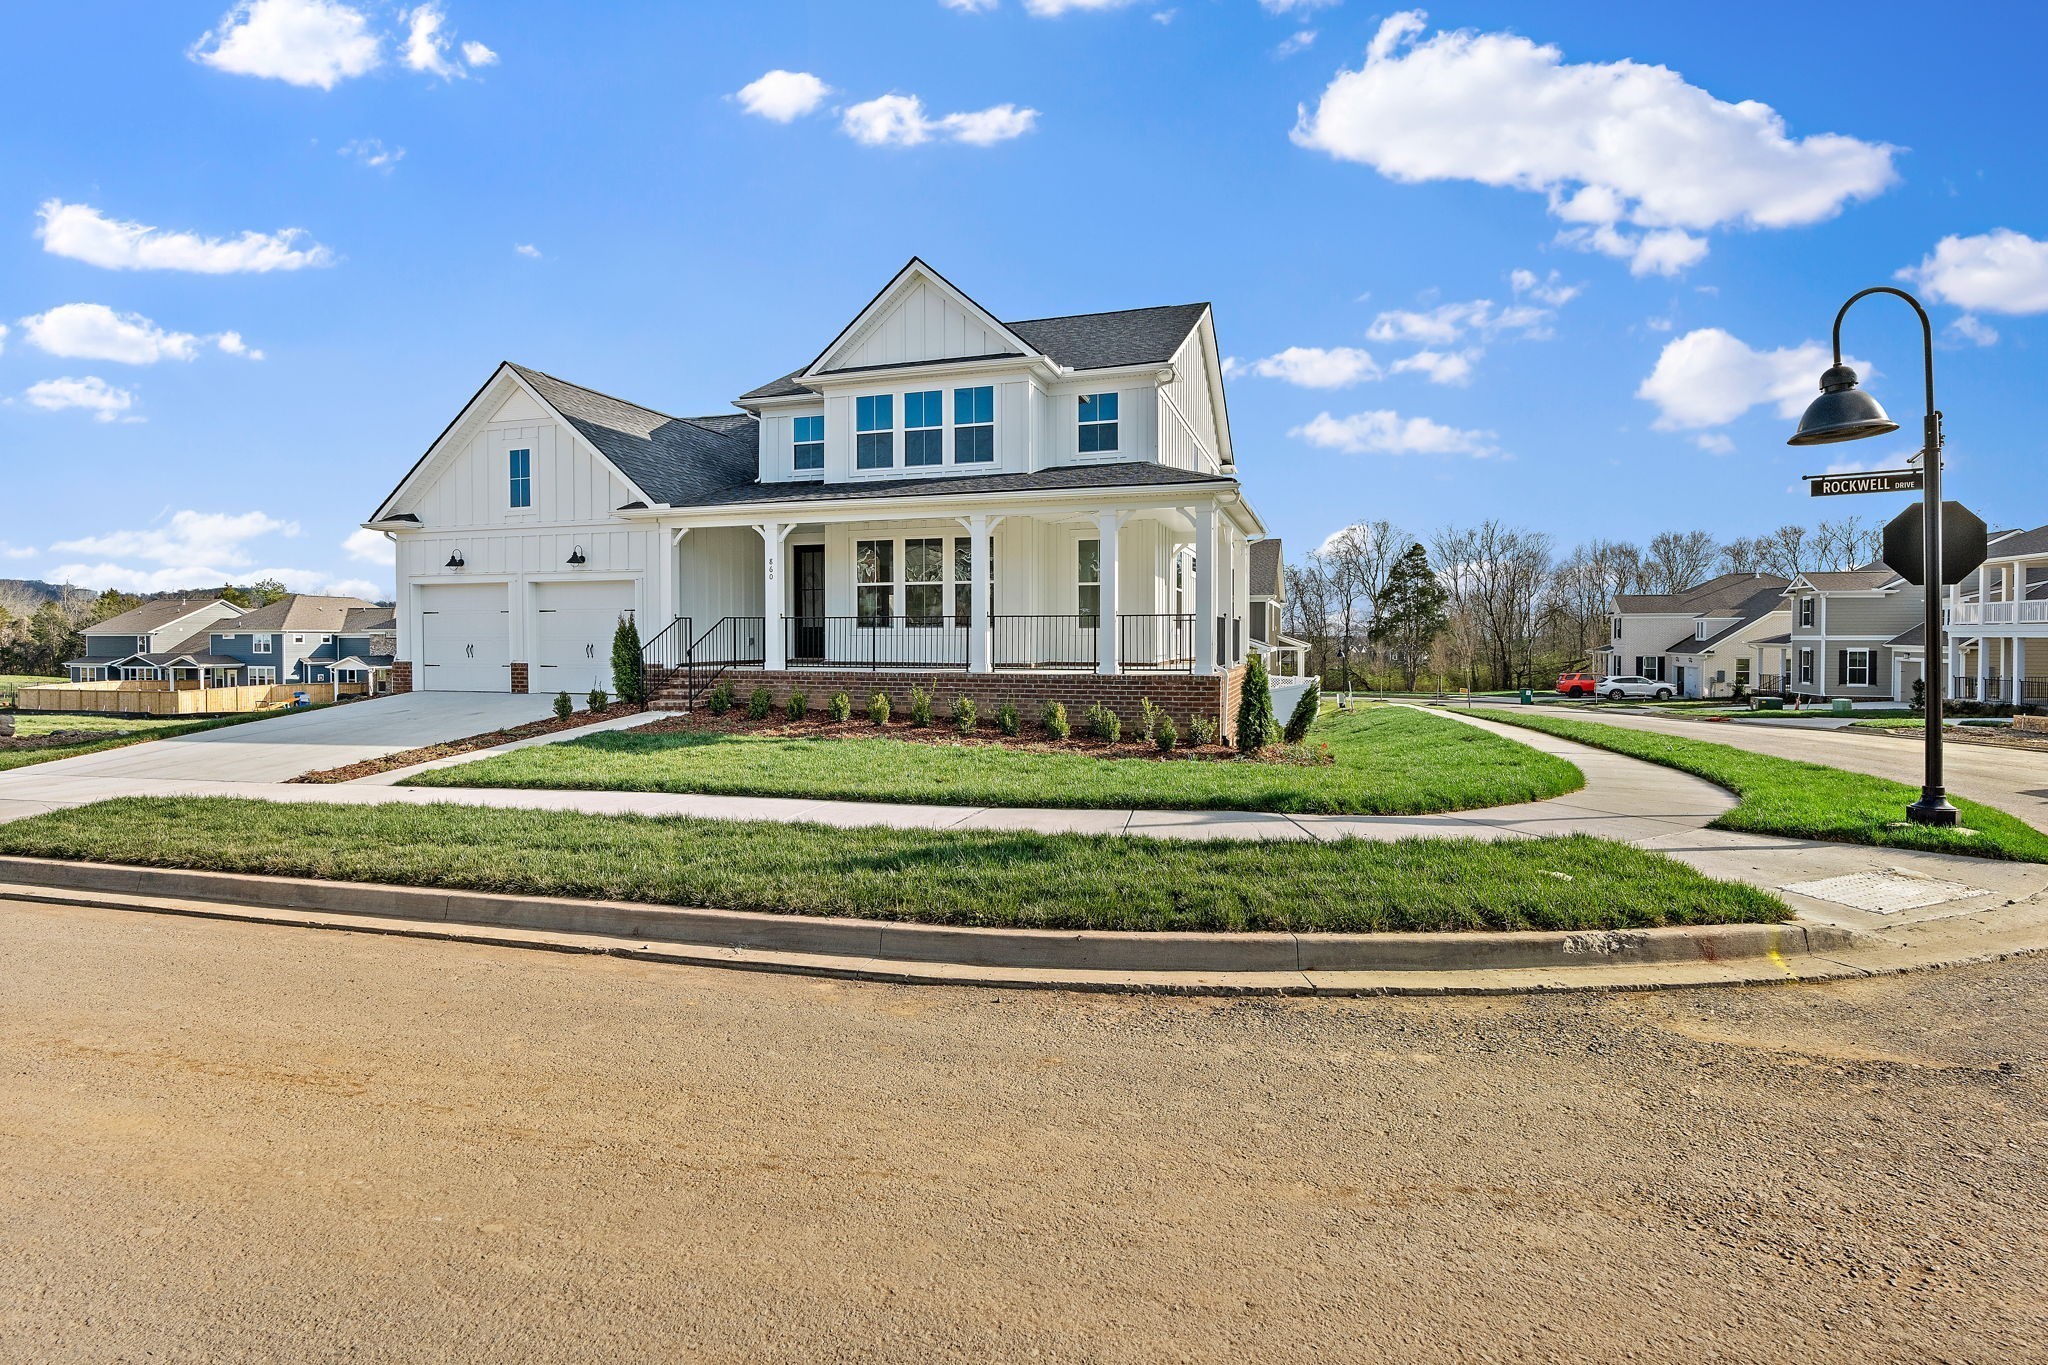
(1842, 667)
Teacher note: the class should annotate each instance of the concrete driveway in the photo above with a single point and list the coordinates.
(272, 750)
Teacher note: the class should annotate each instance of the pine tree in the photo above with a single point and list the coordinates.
(1412, 612)
(1255, 728)
(629, 678)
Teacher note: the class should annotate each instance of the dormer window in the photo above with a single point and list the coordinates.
(1098, 424)
(521, 491)
(810, 443)
(874, 442)
(924, 428)
(974, 429)
(1806, 613)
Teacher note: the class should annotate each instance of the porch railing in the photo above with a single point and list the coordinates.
(1771, 684)
(1069, 640)
(875, 642)
(680, 657)
(1156, 643)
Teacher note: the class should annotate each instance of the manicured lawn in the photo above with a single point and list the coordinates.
(1388, 761)
(113, 732)
(1808, 800)
(1064, 881)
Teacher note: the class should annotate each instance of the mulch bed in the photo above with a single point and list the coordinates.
(407, 758)
(56, 739)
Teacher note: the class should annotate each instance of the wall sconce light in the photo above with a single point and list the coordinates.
(576, 557)
(455, 560)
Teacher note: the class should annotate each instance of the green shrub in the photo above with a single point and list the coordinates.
(1201, 731)
(1255, 710)
(759, 703)
(920, 706)
(798, 705)
(564, 708)
(598, 699)
(1305, 712)
(629, 674)
(720, 700)
(965, 714)
(1054, 719)
(1008, 721)
(1104, 723)
(840, 708)
(1149, 717)
(1165, 735)
(878, 708)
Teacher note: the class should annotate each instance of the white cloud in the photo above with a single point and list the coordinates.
(186, 536)
(17, 551)
(371, 547)
(1714, 443)
(1549, 289)
(231, 343)
(970, 6)
(901, 121)
(1442, 367)
(93, 331)
(1384, 432)
(83, 233)
(3, 338)
(1974, 330)
(783, 96)
(1636, 160)
(527, 249)
(1295, 6)
(1296, 42)
(427, 47)
(1993, 272)
(304, 42)
(1313, 367)
(90, 394)
(476, 54)
(1052, 9)
(1708, 378)
(1448, 323)
(191, 549)
(371, 152)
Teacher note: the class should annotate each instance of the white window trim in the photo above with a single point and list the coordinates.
(943, 427)
(1806, 613)
(1806, 666)
(895, 465)
(1081, 611)
(518, 509)
(1850, 658)
(800, 471)
(954, 428)
(1117, 422)
(260, 644)
(262, 675)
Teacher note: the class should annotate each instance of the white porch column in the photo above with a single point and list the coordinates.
(1107, 524)
(1205, 590)
(1240, 596)
(978, 604)
(1983, 666)
(772, 594)
(2019, 669)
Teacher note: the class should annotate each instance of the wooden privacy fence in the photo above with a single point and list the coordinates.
(138, 698)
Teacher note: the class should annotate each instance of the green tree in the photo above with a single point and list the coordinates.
(264, 591)
(1255, 728)
(1413, 610)
(629, 679)
(110, 604)
(53, 640)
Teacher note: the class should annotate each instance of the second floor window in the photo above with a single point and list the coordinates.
(1088, 572)
(1098, 424)
(1806, 615)
(522, 478)
(974, 430)
(924, 428)
(259, 644)
(874, 441)
(810, 443)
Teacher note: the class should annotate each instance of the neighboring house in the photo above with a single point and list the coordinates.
(303, 638)
(1846, 630)
(165, 638)
(1697, 639)
(1287, 656)
(939, 490)
(1998, 623)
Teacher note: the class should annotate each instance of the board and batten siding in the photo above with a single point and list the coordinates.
(1187, 419)
(924, 324)
(473, 488)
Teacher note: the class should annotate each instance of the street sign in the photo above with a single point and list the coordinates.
(1964, 543)
(1867, 481)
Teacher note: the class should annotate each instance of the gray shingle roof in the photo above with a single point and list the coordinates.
(1133, 474)
(1267, 580)
(1851, 580)
(674, 460)
(1910, 639)
(149, 616)
(2034, 542)
(785, 387)
(297, 611)
(1724, 590)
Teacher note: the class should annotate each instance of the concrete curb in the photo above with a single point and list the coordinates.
(872, 947)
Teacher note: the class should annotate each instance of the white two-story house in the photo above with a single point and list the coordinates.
(939, 491)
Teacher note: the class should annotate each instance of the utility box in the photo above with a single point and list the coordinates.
(1842, 706)
(1767, 704)
(1528, 697)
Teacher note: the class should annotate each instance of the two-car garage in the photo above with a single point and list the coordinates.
(467, 636)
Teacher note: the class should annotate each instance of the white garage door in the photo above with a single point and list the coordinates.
(572, 634)
(465, 638)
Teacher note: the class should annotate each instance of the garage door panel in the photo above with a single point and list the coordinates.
(465, 638)
(572, 634)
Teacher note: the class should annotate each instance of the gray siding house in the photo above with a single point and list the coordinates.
(304, 638)
(1697, 640)
(166, 638)
(1846, 629)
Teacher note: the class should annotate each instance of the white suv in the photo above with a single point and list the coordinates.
(1623, 688)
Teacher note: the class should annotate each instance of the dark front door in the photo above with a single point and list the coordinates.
(810, 602)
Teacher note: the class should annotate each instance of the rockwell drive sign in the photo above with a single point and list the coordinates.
(1867, 481)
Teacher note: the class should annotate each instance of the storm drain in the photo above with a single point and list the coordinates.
(1884, 893)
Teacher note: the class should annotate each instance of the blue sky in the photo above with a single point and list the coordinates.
(1563, 265)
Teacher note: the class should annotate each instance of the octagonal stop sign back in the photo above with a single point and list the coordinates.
(1963, 544)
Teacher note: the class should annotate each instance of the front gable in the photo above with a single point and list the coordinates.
(918, 317)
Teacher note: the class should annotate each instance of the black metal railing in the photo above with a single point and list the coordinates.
(662, 658)
(733, 642)
(875, 642)
(1963, 689)
(1067, 640)
(1155, 643)
(1771, 685)
(2033, 691)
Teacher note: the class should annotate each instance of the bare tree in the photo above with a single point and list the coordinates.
(1746, 554)
(1496, 575)
(1359, 559)
(1845, 544)
(1579, 599)
(1680, 559)
(1309, 608)
(1790, 554)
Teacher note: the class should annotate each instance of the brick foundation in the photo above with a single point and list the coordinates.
(401, 676)
(1181, 695)
(519, 677)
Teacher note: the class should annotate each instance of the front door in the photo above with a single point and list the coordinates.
(809, 606)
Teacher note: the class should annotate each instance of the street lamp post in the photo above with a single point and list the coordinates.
(1842, 413)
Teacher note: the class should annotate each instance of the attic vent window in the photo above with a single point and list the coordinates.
(521, 464)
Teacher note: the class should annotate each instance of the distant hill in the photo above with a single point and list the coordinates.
(21, 596)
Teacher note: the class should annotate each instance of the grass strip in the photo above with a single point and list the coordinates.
(1391, 760)
(990, 878)
(1799, 800)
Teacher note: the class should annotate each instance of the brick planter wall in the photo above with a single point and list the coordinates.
(519, 677)
(1181, 695)
(401, 676)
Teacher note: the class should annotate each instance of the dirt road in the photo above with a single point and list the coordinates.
(243, 1143)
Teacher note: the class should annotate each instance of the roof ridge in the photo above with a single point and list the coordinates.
(612, 397)
(1108, 312)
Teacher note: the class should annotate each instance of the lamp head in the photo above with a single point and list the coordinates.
(1841, 413)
